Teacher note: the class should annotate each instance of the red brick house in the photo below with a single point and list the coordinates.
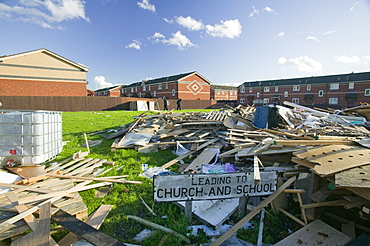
(336, 91)
(187, 86)
(41, 73)
(223, 93)
(113, 91)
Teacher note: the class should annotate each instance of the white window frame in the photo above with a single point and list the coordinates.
(351, 85)
(266, 89)
(308, 87)
(367, 92)
(258, 94)
(295, 100)
(334, 86)
(160, 87)
(266, 100)
(276, 88)
(250, 89)
(333, 100)
(166, 86)
(148, 87)
(154, 93)
(132, 89)
(218, 92)
(242, 100)
(296, 87)
(286, 93)
(144, 88)
(321, 93)
(242, 89)
(173, 92)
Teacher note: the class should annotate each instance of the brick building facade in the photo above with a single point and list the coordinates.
(336, 91)
(223, 93)
(187, 86)
(114, 91)
(41, 73)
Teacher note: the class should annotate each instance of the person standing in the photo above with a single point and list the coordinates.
(179, 104)
(165, 103)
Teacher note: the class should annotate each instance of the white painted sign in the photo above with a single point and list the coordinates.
(183, 187)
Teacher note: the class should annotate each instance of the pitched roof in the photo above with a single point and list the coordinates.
(224, 87)
(349, 77)
(108, 88)
(43, 50)
(172, 78)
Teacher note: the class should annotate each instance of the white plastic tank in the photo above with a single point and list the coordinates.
(30, 137)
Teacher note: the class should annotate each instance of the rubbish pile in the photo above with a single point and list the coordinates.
(320, 157)
(227, 162)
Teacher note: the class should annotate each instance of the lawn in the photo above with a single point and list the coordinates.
(126, 197)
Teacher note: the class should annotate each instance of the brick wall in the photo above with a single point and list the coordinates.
(41, 88)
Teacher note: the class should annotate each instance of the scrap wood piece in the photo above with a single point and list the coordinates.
(31, 220)
(41, 235)
(316, 233)
(253, 213)
(363, 192)
(339, 161)
(83, 230)
(177, 159)
(203, 158)
(95, 220)
(159, 227)
(354, 177)
(61, 165)
(343, 220)
(246, 152)
(110, 180)
(313, 142)
(323, 150)
(256, 170)
(326, 204)
(173, 133)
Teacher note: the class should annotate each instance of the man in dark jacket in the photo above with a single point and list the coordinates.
(179, 104)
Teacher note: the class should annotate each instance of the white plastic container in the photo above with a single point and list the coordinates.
(30, 137)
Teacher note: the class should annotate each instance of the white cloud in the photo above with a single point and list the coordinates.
(101, 83)
(330, 32)
(168, 21)
(146, 5)
(179, 40)
(45, 13)
(302, 64)
(254, 12)
(190, 23)
(227, 29)
(134, 45)
(158, 35)
(347, 59)
(312, 38)
(270, 10)
(281, 34)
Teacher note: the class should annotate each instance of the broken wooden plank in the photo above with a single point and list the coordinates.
(203, 158)
(355, 177)
(95, 179)
(84, 230)
(316, 233)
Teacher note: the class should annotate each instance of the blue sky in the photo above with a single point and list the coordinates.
(227, 41)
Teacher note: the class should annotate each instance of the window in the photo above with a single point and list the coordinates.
(217, 92)
(160, 87)
(223, 92)
(132, 89)
(286, 94)
(242, 100)
(295, 100)
(144, 88)
(367, 92)
(308, 87)
(173, 92)
(140, 94)
(154, 93)
(296, 87)
(166, 86)
(276, 88)
(135, 89)
(258, 94)
(242, 89)
(334, 86)
(266, 89)
(148, 87)
(250, 90)
(351, 85)
(321, 93)
(333, 100)
(265, 100)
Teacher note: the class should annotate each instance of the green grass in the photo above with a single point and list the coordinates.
(125, 197)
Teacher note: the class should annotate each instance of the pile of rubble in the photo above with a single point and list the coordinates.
(321, 155)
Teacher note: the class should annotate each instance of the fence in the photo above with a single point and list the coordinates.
(92, 103)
